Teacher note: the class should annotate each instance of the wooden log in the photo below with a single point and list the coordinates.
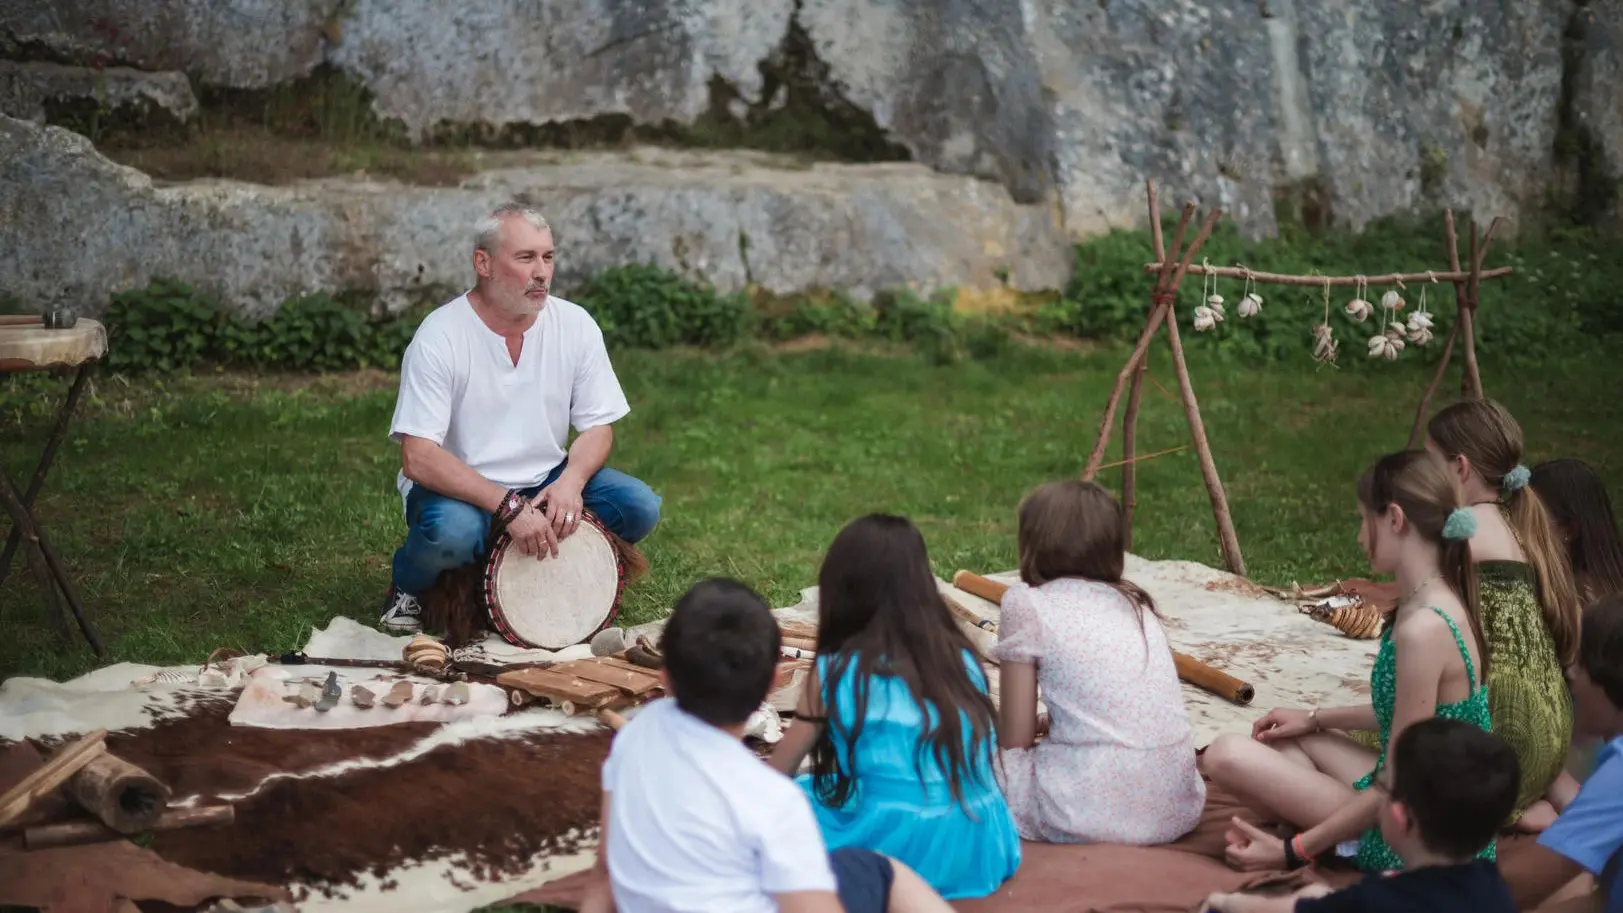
(1230, 272)
(611, 719)
(1210, 679)
(1190, 670)
(75, 832)
(125, 797)
(51, 775)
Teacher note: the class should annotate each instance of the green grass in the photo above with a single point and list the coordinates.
(239, 512)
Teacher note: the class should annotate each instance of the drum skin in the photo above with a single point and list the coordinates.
(552, 603)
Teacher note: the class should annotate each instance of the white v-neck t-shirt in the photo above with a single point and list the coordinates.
(460, 389)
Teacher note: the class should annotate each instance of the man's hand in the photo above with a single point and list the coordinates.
(563, 503)
(532, 531)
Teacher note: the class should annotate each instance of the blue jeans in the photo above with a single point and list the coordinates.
(444, 533)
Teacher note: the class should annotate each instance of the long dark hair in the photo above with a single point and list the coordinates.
(1577, 501)
(1420, 482)
(880, 612)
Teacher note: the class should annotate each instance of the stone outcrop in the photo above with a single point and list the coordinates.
(28, 90)
(1371, 108)
(1045, 115)
(736, 219)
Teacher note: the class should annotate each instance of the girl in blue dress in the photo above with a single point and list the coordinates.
(898, 720)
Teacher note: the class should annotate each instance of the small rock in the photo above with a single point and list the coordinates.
(362, 697)
(456, 694)
(399, 694)
(609, 641)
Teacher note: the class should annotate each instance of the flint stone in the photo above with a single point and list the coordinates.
(734, 219)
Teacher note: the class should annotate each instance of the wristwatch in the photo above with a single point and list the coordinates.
(510, 507)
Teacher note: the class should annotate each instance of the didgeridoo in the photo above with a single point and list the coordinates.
(1190, 669)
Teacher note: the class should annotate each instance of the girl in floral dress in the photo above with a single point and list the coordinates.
(1118, 765)
(1298, 764)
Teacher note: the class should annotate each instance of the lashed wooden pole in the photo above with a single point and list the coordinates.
(1135, 393)
(1226, 536)
(1160, 304)
(1451, 246)
(1479, 252)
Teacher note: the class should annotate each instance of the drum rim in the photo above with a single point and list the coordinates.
(493, 562)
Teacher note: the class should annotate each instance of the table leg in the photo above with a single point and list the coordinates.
(11, 500)
(51, 445)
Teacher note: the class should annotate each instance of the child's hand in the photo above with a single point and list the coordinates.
(1251, 849)
(1283, 723)
(1314, 890)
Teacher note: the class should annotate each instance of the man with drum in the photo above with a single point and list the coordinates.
(489, 387)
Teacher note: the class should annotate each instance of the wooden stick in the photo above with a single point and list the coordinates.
(611, 719)
(1479, 253)
(1470, 381)
(1226, 535)
(1231, 272)
(1158, 313)
(1437, 378)
(1155, 221)
(1189, 669)
(1147, 456)
(1129, 460)
(125, 797)
(75, 832)
(50, 775)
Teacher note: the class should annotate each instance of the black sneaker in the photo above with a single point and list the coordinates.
(402, 613)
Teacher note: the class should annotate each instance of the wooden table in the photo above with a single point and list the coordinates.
(26, 345)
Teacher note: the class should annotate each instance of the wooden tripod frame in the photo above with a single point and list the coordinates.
(1170, 269)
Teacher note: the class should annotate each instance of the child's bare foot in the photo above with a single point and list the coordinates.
(1539, 815)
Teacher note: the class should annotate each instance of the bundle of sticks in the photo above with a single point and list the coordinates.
(122, 798)
(1191, 670)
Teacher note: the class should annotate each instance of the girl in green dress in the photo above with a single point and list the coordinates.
(1296, 765)
(1530, 604)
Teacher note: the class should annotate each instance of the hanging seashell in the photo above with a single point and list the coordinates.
(1358, 620)
(1419, 320)
(1215, 302)
(1394, 330)
(1420, 336)
(1392, 301)
(1359, 309)
(1250, 305)
(1205, 318)
(1324, 344)
(1384, 346)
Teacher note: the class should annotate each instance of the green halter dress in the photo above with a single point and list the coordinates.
(1374, 855)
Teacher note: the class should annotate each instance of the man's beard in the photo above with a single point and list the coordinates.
(516, 300)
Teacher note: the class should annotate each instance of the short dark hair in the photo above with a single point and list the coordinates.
(1458, 781)
(1600, 647)
(721, 651)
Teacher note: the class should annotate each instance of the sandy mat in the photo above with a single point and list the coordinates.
(1218, 618)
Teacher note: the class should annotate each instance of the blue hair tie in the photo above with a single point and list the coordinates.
(1461, 524)
(1516, 479)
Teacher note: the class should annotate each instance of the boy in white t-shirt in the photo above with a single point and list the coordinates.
(693, 821)
(489, 388)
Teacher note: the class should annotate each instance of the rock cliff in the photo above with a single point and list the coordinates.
(1048, 113)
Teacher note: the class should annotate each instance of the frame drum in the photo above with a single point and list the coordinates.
(552, 603)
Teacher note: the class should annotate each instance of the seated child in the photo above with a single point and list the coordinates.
(897, 718)
(1582, 514)
(1589, 832)
(692, 820)
(1118, 765)
(1449, 788)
